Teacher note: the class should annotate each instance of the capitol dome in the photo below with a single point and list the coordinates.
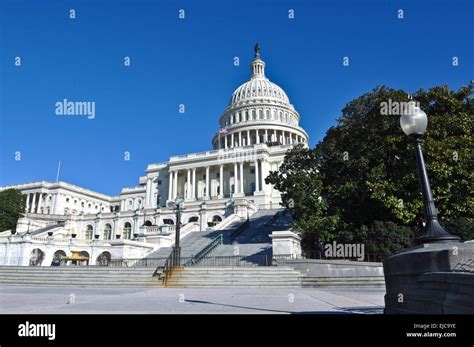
(259, 111)
(258, 87)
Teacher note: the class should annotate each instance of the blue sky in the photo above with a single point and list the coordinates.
(190, 61)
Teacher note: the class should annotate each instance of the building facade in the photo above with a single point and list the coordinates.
(255, 131)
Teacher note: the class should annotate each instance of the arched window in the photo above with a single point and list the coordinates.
(36, 257)
(215, 220)
(148, 223)
(107, 232)
(85, 254)
(89, 232)
(103, 259)
(57, 257)
(127, 230)
(168, 221)
(193, 219)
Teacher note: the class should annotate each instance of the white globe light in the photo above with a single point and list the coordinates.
(414, 121)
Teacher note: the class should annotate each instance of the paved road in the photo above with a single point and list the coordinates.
(191, 300)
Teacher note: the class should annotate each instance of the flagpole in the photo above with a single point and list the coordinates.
(59, 169)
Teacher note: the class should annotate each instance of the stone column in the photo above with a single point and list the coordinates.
(175, 185)
(188, 193)
(257, 138)
(236, 186)
(265, 138)
(33, 203)
(27, 202)
(148, 192)
(225, 141)
(115, 228)
(207, 182)
(170, 185)
(96, 228)
(135, 226)
(257, 178)
(240, 139)
(193, 195)
(242, 178)
(40, 195)
(263, 166)
(221, 181)
(54, 204)
(291, 138)
(283, 137)
(248, 138)
(232, 140)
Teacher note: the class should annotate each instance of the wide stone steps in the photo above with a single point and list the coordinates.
(77, 277)
(360, 281)
(234, 277)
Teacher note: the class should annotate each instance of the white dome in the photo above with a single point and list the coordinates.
(258, 88)
(259, 111)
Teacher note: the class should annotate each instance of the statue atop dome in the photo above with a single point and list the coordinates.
(257, 50)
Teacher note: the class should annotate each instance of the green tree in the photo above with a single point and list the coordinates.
(12, 206)
(364, 176)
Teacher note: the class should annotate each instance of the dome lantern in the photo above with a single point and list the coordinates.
(257, 65)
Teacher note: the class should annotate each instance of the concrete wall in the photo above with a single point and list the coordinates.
(334, 268)
(431, 278)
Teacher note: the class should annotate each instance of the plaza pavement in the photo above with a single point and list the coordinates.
(54, 300)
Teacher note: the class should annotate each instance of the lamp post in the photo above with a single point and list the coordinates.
(177, 205)
(413, 124)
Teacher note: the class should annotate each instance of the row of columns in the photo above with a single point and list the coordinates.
(34, 202)
(260, 114)
(241, 138)
(191, 180)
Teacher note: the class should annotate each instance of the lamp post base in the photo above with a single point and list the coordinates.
(433, 231)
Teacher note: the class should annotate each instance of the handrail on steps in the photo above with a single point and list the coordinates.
(196, 258)
(164, 271)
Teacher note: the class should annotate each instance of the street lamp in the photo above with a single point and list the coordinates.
(177, 205)
(413, 124)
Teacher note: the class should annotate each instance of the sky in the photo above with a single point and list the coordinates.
(190, 61)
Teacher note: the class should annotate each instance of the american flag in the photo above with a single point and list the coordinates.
(223, 131)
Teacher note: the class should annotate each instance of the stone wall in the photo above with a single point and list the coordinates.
(431, 278)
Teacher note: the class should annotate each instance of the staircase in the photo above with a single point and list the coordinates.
(77, 276)
(254, 241)
(249, 277)
(195, 242)
(42, 230)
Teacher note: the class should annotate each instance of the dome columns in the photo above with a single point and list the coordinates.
(248, 137)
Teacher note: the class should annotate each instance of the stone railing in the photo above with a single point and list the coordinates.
(167, 228)
(227, 221)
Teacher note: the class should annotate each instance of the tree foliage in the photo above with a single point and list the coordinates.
(360, 183)
(12, 206)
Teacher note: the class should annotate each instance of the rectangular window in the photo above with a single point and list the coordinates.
(159, 182)
(252, 170)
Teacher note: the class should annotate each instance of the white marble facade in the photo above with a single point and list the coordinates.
(256, 129)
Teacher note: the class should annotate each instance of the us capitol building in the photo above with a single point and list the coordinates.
(222, 186)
